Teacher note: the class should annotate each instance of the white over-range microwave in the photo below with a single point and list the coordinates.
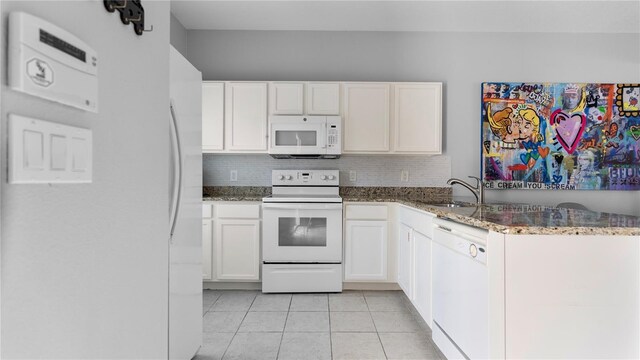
(305, 137)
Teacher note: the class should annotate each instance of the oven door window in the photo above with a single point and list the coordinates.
(297, 138)
(302, 231)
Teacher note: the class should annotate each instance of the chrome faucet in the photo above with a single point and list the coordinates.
(478, 190)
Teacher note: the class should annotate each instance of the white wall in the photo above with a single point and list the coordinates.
(178, 35)
(84, 267)
(461, 60)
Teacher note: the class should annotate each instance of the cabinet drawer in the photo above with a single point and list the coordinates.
(418, 220)
(207, 211)
(238, 211)
(367, 212)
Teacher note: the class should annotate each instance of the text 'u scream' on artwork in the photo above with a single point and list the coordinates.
(561, 136)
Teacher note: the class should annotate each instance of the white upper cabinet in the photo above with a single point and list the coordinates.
(366, 118)
(212, 116)
(417, 118)
(323, 98)
(286, 98)
(246, 116)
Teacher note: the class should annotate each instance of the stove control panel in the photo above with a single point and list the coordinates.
(305, 177)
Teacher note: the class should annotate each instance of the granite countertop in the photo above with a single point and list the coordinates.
(523, 219)
(506, 218)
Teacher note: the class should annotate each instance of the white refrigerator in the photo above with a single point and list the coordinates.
(185, 252)
(88, 271)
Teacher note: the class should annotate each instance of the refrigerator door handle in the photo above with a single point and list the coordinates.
(177, 174)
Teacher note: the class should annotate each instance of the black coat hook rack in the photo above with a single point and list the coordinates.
(131, 12)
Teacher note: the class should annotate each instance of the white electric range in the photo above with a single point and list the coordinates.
(302, 232)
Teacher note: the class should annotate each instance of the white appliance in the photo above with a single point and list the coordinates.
(185, 245)
(305, 137)
(100, 250)
(50, 62)
(460, 290)
(302, 232)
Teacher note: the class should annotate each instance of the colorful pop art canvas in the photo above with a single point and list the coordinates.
(561, 136)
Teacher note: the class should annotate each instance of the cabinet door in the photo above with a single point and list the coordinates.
(237, 250)
(207, 249)
(422, 275)
(366, 118)
(404, 259)
(286, 98)
(323, 98)
(365, 250)
(417, 118)
(245, 116)
(212, 116)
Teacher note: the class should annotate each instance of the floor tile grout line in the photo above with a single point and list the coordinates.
(236, 333)
(330, 330)
(375, 327)
(286, 320)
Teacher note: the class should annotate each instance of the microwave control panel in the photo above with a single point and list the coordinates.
(334, 124)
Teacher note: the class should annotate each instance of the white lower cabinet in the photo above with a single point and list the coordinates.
(414, 258)
(422, 275)
(237, 249)
(404, 258)
(207, 249)
(367, 256)
(231, 241)
(365, 250)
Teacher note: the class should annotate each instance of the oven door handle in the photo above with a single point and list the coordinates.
(305, 206)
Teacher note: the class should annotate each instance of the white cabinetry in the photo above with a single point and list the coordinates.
(417, 118)
(422, 275)
(207, 241)
(366, 250)
(366, 243)
(404, 258)
(212, 116)
(246, 116)
(231, 241)
(414, 258)
(323, 98)
(366, 118)
(237, 249)
(406, 120)
(286, 98)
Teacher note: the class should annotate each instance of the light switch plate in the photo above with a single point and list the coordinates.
(233, 175)
(352, 176)
(46, 152)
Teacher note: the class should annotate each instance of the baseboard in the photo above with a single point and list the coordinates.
(220, 285)
(256, 285)
(370, 286)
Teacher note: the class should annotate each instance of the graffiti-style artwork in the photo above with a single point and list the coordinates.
(561, 136)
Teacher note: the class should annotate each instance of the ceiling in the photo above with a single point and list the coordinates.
(397, 15)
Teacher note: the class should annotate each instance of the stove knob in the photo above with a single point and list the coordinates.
(323, 177)
(281, 177)
(331, 177)
(289, 177)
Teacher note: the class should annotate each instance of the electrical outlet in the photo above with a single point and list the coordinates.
(352, 176)
(404, 175)
(233, 175)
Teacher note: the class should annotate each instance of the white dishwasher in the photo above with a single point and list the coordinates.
(460, 290)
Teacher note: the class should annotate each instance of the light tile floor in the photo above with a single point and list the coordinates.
(248, 325)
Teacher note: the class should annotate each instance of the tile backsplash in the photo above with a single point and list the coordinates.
(370, 170)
